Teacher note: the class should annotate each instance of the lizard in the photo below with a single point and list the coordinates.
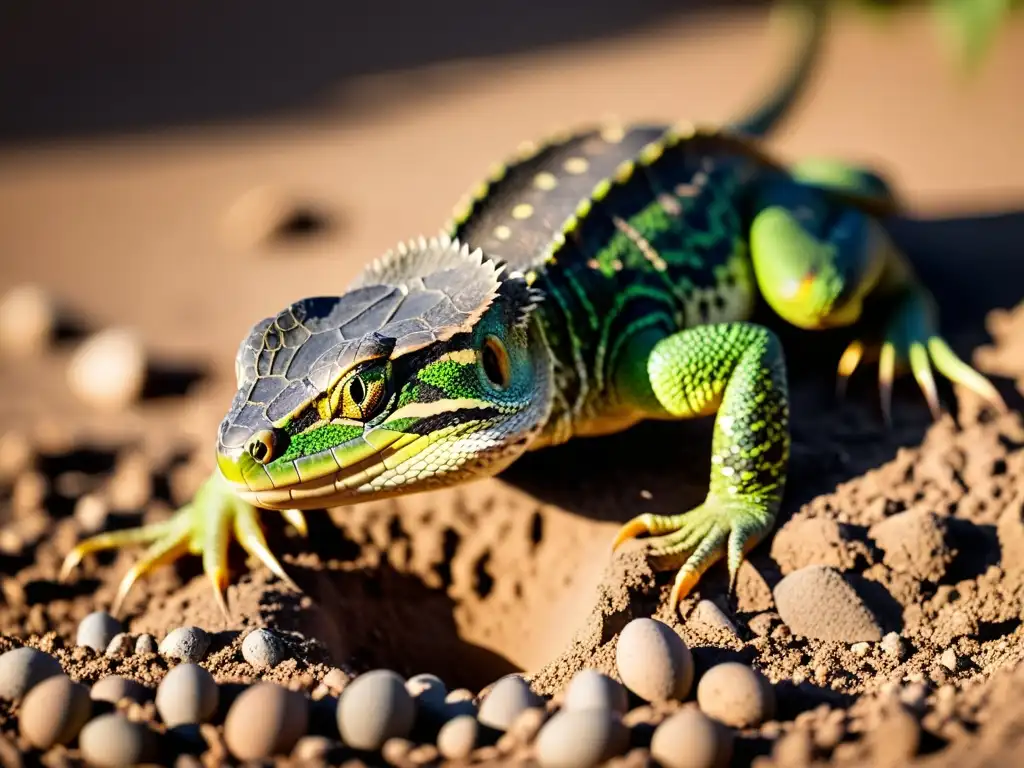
(597, 279)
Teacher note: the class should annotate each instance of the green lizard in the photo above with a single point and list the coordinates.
(602, 278)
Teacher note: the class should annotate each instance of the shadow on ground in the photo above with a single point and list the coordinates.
(123, 67)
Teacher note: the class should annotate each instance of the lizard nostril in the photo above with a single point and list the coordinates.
(261, 446)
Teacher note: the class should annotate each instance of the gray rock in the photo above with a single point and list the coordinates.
(97, 630)
(145, 644)
(185, 644)
(263, 649)
(24, 668)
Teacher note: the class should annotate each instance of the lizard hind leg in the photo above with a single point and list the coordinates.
(203, 527)
(735, 370)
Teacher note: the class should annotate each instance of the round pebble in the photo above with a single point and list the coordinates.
(114, 688)
(736, 695)
(113, 741)
(121, 644)
(263, 649)
(24, 668)
(590, 688)
(28, 318)
(97, 630)
(509, 696)
(373, 708)
(145, 644)
(187, 694)
(54, 711)
(91, 513)
(312, 749)
(265, 720)
(460, 702)
(109, 369)
(653, 661)
(185, 644)
(691, 739)
(429, 693)
(457, 738)
(581, 738)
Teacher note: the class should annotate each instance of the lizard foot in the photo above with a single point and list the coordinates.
(204, 527)
(696, 540)
(911, 341)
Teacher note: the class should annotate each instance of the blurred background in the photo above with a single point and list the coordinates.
(185, 169)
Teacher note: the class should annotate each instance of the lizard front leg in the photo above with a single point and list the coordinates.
(203, 527)
(736, 371)
(821, 262)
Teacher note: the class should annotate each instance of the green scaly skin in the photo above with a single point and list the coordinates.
(597, 280)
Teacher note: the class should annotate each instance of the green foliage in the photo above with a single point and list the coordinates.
(967, 29)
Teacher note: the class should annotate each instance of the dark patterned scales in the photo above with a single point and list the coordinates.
(398, 305)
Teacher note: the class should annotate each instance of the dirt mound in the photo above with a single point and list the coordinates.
(920, 529)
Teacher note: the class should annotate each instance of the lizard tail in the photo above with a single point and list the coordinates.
(811, 18)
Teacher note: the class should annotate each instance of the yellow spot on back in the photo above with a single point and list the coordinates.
(502, 232)
(576, 165)
(522, 211)
(460, 356)
(545, 180)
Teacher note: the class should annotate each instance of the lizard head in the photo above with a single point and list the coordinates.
(430, 370)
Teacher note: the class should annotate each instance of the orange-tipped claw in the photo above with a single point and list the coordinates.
(629, 531)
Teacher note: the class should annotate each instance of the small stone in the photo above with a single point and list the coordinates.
(395, 750)
(429, 692)
(817, 602)
(121, 644)
(91, 513)
(145, 644)
(265, 720)
(794, 748)
(712, 617)
(653, 661)
(28, 320)
(460, 702)
(54, 711)
(896, 739)
(590, 688)
(581, 738)
(736, 695)
(108, 370)
(187, 694)
(691, 739)
(97, 630)
(861, 649)
(114, 688)
(313, 749)
(373, 708)
(263, 649)
(527, 725)
(509, 696)
(114, 741)
(761, 624)
(894, 646)
(23, 668)
(950, 660)
(458, 737)
(185, 644)
(423, 754)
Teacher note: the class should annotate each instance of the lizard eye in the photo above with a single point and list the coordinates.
(359, 396)
(494, 360)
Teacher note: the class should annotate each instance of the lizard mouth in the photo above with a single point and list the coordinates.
(366, 465)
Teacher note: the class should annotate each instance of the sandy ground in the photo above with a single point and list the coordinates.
(190, 235)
